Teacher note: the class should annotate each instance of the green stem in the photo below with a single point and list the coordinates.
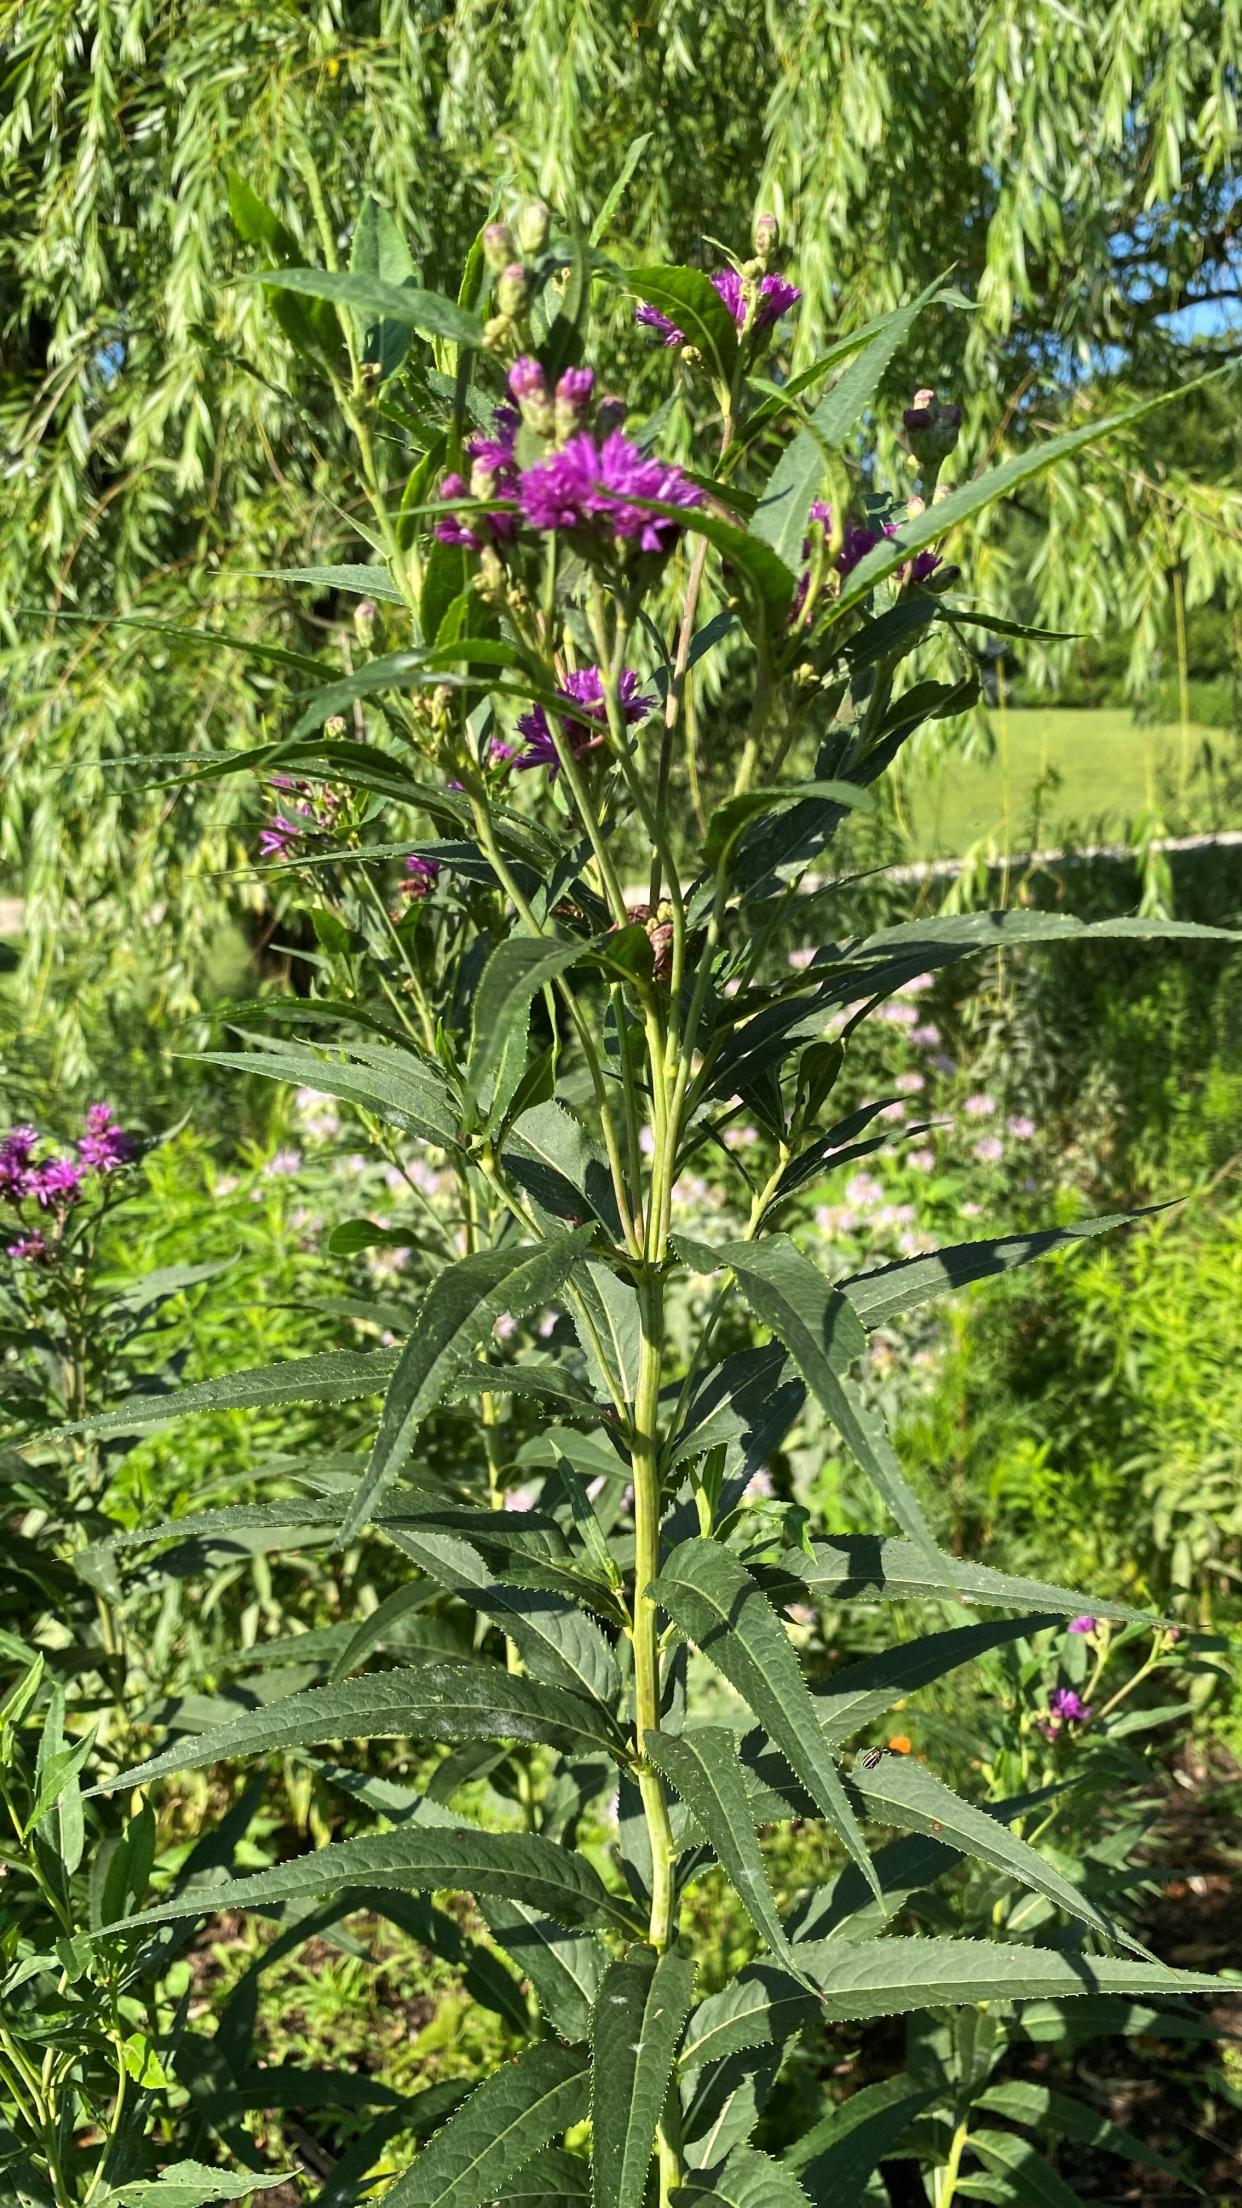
(946, 2179)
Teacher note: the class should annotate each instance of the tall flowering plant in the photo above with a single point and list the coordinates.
(589, 1384)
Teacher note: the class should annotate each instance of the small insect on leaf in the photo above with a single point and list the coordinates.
(874, 1756)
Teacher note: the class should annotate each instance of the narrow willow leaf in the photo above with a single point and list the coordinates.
(425, 311)
(701, 1763)
(761, 2007)
(400, 1089)
(565, 1968)
(785, 508)
(1028, 2178)
(864, 1568)
(859, 1979)
(1053, 2112)
(837, 2158)
(336, 1376)
(417, 1860)
(516, 971)
(748, 2180)
(903, 1792)
(712, 1599)
(190, 2185)
(555, 1640)
(443, 1702)
(863, 1691)
(691, 302)
(506, 2120)
(455, 1317)
(823, 1335)
(880, 1296)
(895, 955)
(642, 2004)
(633, 155)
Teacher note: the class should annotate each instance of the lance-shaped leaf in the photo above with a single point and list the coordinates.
(744, 1407)
(785, 507)
(859, 1979)
(823, 1335)
(1027, 2178)
(689, 300)
(881, 1295)
(713, 1600)
(748, 2180)
(509, 2118)
(864, 1567)
(642, 2004)
(835, 2160)
(903, 1792)
(190, 2185)
(455, 1317)
(336, 1376)
(606, 1322)
(554, 2179)
(565, 1968)
(762, 2007)
(441, 1702)
(360, 581)
(417, 1859)
(895, 955)
(550, 1154)
(860, 1692)
(1055, 2112)
(428, 312)
(400, 1089)
(722, 2103)
(904, 1867)
(516, 971)
(702, 1765)
(556, 1641)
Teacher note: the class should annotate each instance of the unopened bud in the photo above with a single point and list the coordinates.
(573, 398)
(364, 621)
(610, 414)
(528, 388)
(932, 427)
(498, 246)
(512, 290)
(915, 507)
(767, 237)
(533, 225)
(334, 726)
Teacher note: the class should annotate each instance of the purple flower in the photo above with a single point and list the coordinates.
(588, 481)
(583, 689)
(15, 1169)
(979, 1107)
(527, 380)
(926, 1035)
(1066, 1707)
(652, 319)
(776, 296)
(28, 1248)
(1020, 1127)
(910, 1084)
(990, 1150)
(421, 876)
(921, 1161)
(493, 474)
(104, 1145)
(1081, 1625)
(56, 1185)
(278, 838)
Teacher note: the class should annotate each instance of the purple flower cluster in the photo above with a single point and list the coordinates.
(493, 474)
(583, 724)
(776, 296)
(316, 806)
(55, 1182)
(1065, 1708)
(421, 876)
(591, 485)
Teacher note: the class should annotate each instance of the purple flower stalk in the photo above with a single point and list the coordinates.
(28, 1249)
(15, 1168)
(104, 1145)
(588, 483)
(493, 474)
(56, 1185)
(776, 297)
(421, 876)
(582, 728)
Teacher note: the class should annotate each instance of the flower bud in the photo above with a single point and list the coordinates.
(513, 290)
(533, 225)
(767, 237)
(334, 726)
(364, 621)
(610, 414)
(498, 246)
(573, 398)
(932, 427)
(528, 387)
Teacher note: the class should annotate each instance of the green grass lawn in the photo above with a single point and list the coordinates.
(1105, 761)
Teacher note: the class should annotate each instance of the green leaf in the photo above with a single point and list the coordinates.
(442, 1702)
(365, 582)
(428, 312)
(761, 2007)
(791, 489)
(690, 301)
(506, 2120)
(312, 330)
(380, 255)
(1028, 2178)
(714, 1602)
(454, 1318)
(863, 1567)
(1055, 2112)
(879, 1296)
(770, 582)
(555, 1640)
(56, 1775)
(861, 1979)
(970, 498)
(336, 1376)
(642, 2004)
(402, 1090)
(516, 971)
(748, 2180)
(550, 1155)
(823, 1335)
(190, 2185)
(565, 1968)
(607, 1325)
(267, 655)
(863, 1691)
(633, 155)
(701, 1763)
(894, 955)
(417, 1859)
(839, 2155)
(736, 813)
(903, 1792)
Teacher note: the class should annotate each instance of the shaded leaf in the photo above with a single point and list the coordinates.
(701, 1763)
(504, 2122)
(640, 2009)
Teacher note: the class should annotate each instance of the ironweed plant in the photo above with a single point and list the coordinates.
(585, 1387)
